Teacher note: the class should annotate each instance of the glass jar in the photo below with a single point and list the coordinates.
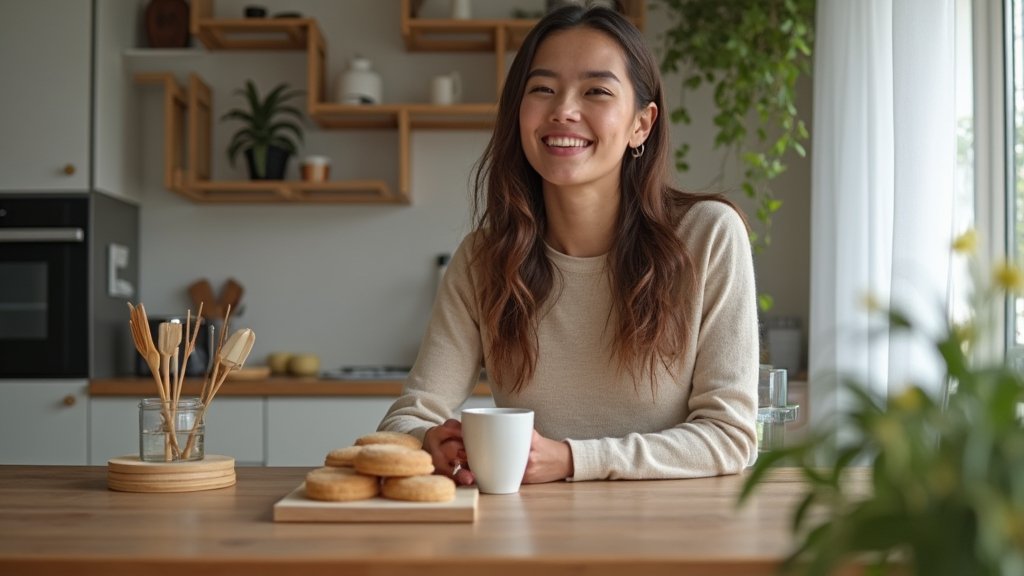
(156, 442)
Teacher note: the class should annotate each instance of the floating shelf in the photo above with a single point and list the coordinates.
(272, 191)
(421, 116)
(187, 144)
(247, 33)
(187, 119)
(472, 35)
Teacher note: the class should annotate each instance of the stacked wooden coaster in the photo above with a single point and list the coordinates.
(129, 474)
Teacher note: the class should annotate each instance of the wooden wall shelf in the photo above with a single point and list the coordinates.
(247, 33)
(473, 35)
(187, 119)
(421, 116)
(192, 178)
(348, 191)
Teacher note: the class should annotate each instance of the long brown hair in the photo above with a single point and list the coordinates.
(650, 268)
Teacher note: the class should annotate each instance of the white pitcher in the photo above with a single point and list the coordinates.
(446, 89)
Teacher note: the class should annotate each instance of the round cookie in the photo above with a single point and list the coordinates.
(392, 460)
(419, 488)
(342, 457)
(340, 485)
(399, 438)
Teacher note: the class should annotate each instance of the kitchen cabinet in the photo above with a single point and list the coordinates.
(65, 98)
(45, 64)
(44, 421)
(234, 427)
(303, 430)
(187, 114)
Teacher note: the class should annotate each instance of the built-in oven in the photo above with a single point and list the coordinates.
(44, 286)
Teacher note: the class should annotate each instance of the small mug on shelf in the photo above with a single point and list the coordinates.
(316, 168)
(446, 89)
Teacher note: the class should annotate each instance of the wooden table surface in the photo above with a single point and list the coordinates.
(58, 520)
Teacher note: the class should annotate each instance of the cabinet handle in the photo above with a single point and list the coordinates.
(70, 400)
(69, 169)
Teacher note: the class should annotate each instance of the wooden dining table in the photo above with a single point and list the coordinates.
(59, 520)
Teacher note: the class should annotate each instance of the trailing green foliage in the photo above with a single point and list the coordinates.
(266, 124)
(752, 52)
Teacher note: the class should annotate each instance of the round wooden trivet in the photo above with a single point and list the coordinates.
(129, 474)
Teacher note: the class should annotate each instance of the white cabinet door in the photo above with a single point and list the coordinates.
(44, 421)
(234, 427)
(301, 431)
(44, 63)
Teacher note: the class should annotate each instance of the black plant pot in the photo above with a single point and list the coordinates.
(277, 161)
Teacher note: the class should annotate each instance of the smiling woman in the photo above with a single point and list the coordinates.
(620, 310)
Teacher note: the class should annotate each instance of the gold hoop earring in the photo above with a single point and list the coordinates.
(638, 151)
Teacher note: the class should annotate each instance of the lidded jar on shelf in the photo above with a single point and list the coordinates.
(359, 84)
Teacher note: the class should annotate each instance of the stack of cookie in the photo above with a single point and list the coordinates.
(391, 464)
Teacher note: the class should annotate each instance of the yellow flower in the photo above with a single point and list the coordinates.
(870, 302)
(909, 400)
(1008, 277)
(966, 242)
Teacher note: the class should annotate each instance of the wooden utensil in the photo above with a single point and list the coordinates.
(231, 356)
(139, 324)
(168, 340)
(201, 292)
(231, 294)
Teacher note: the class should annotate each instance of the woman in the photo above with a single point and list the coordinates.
(620, 310)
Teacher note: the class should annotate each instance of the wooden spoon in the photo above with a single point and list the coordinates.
(143, 339)
(168, 341)
(232, 356)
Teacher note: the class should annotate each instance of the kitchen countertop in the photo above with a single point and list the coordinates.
(273, 386)
(64, 520)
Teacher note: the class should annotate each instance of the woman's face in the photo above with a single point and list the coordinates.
(578, 115)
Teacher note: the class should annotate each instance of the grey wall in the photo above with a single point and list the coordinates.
(351, 283)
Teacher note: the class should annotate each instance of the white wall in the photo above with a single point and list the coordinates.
(354, 283)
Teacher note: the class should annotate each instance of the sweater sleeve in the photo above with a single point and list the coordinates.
(447, 367)
(719, 434)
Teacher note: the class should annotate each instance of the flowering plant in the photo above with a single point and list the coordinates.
(946, 470)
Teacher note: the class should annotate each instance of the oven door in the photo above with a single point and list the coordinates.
(43, 288)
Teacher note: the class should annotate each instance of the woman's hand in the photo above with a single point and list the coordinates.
(550, 460)
(444, 443)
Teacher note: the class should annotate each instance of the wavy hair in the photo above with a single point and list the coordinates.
(650, 269)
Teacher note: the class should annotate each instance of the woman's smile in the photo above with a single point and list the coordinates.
(578, 113)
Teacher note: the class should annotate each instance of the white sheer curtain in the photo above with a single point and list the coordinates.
(882, 189)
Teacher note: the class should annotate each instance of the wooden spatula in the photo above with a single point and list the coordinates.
(202, 293)
(231, 294)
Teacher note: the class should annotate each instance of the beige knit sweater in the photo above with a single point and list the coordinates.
(700, 423)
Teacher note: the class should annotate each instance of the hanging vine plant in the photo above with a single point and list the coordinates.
(752, 52)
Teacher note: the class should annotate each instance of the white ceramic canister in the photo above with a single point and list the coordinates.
(359, 84)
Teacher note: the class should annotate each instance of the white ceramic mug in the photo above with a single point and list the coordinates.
(462, 9)
(497, 446)
(446, 89)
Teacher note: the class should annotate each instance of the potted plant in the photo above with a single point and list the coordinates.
(268, 135)
(946, 490)
(752, 54)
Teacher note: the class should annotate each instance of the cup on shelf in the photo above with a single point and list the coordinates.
(446, 89)
(316, 168)
(462, 9)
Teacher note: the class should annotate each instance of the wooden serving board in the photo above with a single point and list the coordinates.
(129, 474)
(295, 507)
